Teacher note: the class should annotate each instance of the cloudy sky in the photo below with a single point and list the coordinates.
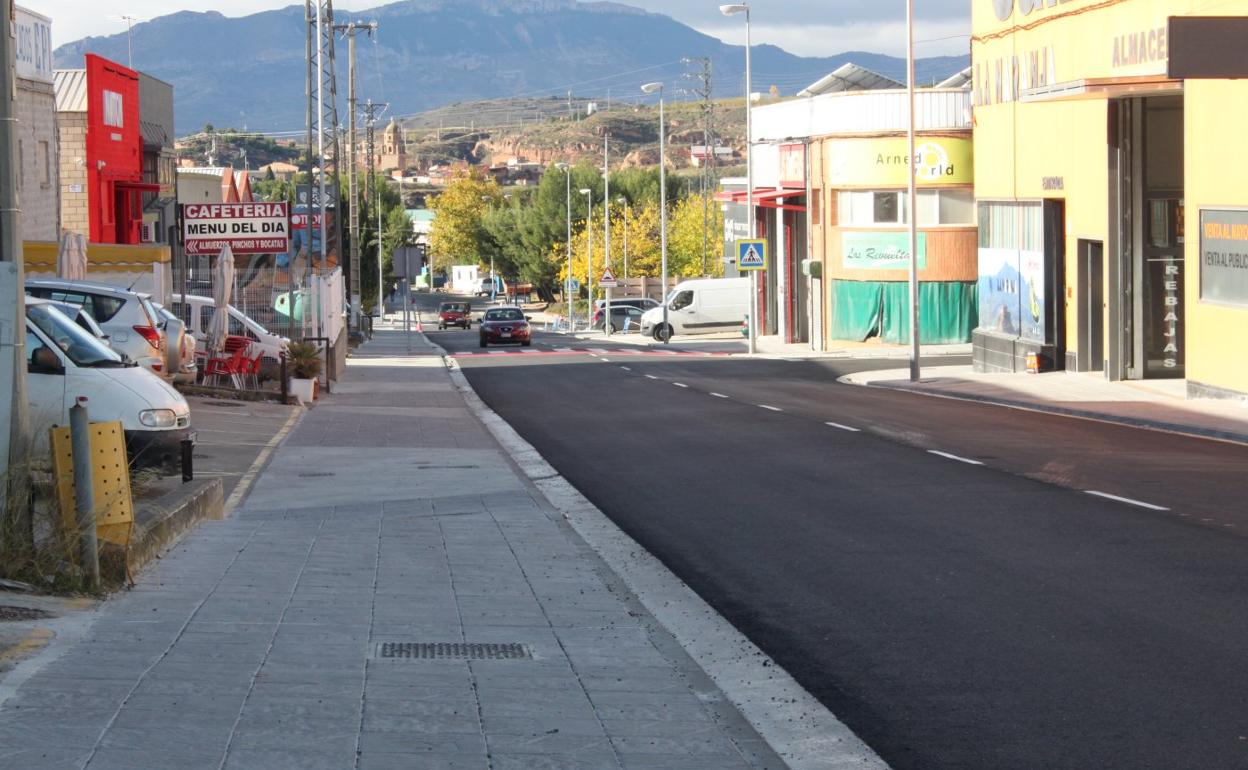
(803, 27)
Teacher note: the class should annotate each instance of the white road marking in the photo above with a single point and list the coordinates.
(529, 350)
(498, 352)
(651, 377)
(771, 408)
(563, 350)
(680, 384)
(599, 351)
(719, 395)
(1127, 500)
(948, 456)
(627, 368)
(842, 427)
(606, 360)
(249, 478)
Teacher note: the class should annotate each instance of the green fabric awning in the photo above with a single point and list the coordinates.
(948, 311)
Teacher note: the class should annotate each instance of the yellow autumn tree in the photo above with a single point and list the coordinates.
(458, 237)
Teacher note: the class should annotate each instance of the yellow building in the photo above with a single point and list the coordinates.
(1090, 149)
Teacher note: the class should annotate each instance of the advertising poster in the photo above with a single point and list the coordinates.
(999, 291)
(880, 251)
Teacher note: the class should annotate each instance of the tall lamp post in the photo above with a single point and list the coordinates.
(567, 173)
(732, 10)
(665, 332)
(606, 231)
(624, 202)
(589, 251)
(915, 372)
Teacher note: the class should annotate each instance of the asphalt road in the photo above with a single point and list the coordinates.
(954, 615)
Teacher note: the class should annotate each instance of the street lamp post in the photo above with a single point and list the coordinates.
(731, 10)
(606, 231)
(567, 284)
(624, 202)
(650, 88)
(589, 251)
(915, 372)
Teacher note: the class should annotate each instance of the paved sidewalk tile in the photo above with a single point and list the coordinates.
(342, 619)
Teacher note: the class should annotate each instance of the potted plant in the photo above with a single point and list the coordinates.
(305, 368)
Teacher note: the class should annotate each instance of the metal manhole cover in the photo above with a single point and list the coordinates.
(451, 651)
(9, 612)
(315, 475)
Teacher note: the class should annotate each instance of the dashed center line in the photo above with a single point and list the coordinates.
(627, 368)
(719, 395)
(948, 456)
(1128, 501)
(770, 408)
(842, 427)
(680, 384)
(651, 377)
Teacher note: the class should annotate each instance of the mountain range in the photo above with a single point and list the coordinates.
(249, 71)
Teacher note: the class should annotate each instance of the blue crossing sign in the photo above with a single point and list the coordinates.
(751, 254)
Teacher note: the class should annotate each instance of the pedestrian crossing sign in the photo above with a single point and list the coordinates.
(751, 254)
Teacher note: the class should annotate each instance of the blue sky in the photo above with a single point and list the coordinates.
(803, 27)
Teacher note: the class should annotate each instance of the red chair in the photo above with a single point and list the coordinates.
(231, 367)
(251, 370)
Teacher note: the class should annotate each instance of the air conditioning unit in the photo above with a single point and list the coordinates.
(148, 234)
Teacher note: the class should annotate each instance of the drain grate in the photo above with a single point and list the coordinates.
(9, 612)
(451, 651)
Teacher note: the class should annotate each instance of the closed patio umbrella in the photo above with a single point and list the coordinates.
(222, 288)
(71, 258)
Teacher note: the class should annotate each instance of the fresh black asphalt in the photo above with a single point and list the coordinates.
(954, 616)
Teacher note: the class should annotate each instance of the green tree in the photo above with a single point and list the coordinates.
(685, 238)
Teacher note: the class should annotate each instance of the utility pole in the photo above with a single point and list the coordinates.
(606, 229)
(371, 112)
(704, 90)
(323, 103)
(354, 281)
(18, 532)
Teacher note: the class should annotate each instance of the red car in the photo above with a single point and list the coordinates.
(455, 314)
(503, 325)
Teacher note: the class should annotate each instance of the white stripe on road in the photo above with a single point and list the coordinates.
(651, 377)
(680, 384)
(529, 350)
(842, 427)
(1127, 500)
(627, 368)
(498, 352)
(772, 408)
(599, 351)
(719, 395)
(606, 360)
(563, 350)
(948, 456)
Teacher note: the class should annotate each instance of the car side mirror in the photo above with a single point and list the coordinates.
(44, 361)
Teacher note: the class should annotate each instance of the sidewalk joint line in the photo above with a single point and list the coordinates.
(948, 456)
(1128, 501)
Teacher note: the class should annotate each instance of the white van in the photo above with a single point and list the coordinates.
(64, 363)
(700, 306)
(196, 313)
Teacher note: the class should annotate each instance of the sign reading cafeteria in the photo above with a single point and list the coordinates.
(882, 162)
(247, 228)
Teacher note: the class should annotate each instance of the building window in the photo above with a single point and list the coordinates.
(46, 151)
(114, 112)
(950, 206)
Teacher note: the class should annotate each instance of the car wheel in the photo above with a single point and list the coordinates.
(662, 333)
(526, 343)
(615, 329)
(483, 342)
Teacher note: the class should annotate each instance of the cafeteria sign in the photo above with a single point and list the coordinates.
(880, 251)
(247, 228)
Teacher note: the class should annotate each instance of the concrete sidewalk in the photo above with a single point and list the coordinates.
(392, 594)
(1155, 404)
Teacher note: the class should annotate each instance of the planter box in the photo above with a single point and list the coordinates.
(303, 390)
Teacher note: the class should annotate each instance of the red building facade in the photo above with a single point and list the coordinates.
(115, 183)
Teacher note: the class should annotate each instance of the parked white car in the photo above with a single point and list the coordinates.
(133, 326)
(65, 363)
(196, 312)
(700, 306)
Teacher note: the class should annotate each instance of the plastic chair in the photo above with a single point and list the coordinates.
(231, 367)
(251, 370)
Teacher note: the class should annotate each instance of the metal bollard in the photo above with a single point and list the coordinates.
(188, 459)
(285, 380)
(84, 489)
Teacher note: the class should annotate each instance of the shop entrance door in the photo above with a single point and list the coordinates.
(1147, 278)
(1091, 315)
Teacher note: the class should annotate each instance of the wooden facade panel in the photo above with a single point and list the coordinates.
(952, 255)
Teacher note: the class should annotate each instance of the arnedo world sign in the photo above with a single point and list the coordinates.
(247, 228)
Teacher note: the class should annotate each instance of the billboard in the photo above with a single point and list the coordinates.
(33, 51)
(881, 162)
(247, 228)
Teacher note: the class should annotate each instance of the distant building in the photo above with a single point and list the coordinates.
(422, 223)
(39, 173)
(159, 159)
(283, 171)
(209, 184)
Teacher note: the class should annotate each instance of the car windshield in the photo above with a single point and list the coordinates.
(504, 314)
(72, 339)
(454, 307)
(253, 323)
